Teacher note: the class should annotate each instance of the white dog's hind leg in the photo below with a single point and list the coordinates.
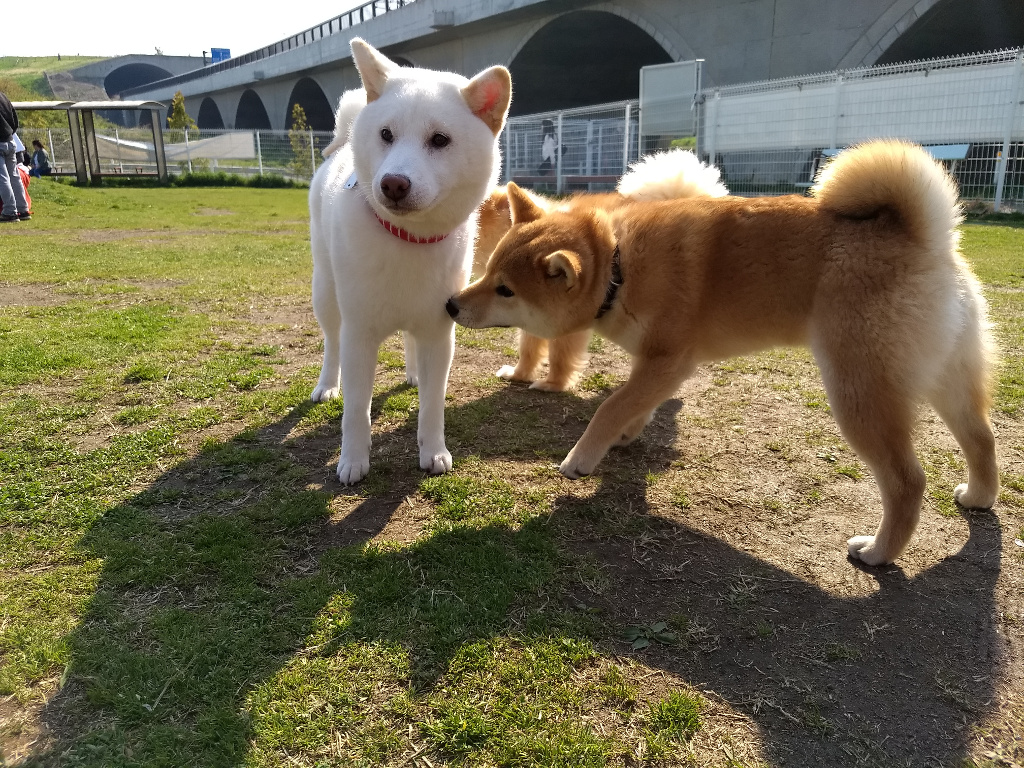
(410, 358)
(434, 358)
(325, 308)
(358, 366)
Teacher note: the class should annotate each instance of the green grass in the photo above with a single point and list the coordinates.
(182, 584)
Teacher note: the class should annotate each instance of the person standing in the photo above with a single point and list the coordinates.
(12, 191)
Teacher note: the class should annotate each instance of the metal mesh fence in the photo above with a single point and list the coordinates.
(575, 149)
(770, 137)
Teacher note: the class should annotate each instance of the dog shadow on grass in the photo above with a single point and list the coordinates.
(235, 618)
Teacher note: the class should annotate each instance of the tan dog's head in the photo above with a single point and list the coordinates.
(546, 275)
(494, 221)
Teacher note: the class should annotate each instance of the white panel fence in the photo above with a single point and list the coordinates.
(770, 137)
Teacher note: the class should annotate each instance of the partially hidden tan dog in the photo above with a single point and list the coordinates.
(669, 175)
(866, 272)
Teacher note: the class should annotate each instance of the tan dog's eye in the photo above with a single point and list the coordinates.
(504, 290)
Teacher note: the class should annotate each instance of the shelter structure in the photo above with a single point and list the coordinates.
(83, 131)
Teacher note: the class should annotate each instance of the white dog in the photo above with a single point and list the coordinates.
(392, 225)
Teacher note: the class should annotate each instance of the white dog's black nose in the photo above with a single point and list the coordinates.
(452, 307)
(395, 187)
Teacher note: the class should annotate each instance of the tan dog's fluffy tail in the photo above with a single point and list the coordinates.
(671, 175)
(350, 104)
(899, 176)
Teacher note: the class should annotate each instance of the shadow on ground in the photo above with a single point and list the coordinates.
(227, 568)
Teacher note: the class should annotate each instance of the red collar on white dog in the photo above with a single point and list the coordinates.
(402, 234)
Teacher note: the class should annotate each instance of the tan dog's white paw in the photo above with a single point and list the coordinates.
(969, 500)
(575, 466)
(351, 472)
(323, 393)
(863, 548)
(551, 386)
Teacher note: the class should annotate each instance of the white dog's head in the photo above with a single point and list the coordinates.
(425, 145)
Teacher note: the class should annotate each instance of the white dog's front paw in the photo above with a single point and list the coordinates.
(863, 548)
(967, 499)
(324, 392)
(411, 377)
(351, 471)
(436, 462)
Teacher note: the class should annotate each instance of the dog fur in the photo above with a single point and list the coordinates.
(416, 149)
(668, 175)
(866, 272)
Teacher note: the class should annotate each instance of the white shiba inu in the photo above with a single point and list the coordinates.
(392, 226)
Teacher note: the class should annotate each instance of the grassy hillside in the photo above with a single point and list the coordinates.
(22, 78)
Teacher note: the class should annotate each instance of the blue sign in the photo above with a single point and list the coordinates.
(219, 54)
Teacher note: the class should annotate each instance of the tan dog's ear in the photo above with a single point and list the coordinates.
(488, 96)
(564, 265)
(524, 210)
(374, 68)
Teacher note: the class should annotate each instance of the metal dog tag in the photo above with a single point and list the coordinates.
(351, 181)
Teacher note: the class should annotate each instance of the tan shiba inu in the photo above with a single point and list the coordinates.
(866, 272)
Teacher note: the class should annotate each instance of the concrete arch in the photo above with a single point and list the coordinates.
(311, 97)
(251, 114)
(956, 27)
(603, 50)
(209, 114)
(131, 76)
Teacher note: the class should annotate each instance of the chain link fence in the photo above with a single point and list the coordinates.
(575, 149)
(295, 155)
(770, 137)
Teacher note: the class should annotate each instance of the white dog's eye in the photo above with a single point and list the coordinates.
(386, 135)
(504, 290)
(440, 141)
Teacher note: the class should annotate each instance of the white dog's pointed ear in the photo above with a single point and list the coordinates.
(374, 68)
(488, 96)
(564, 265)
(523, 209)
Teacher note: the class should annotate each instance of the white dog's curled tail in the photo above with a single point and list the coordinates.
(350, 105)
(671, 175)
(894, 175)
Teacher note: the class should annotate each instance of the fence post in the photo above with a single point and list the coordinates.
(312, 155)
(117, 143)
(558, 156)
(1011, 112)
(710, 117)
(625, 139)
(259, 152)
(188, 152)
(508, 152)
(837, 95)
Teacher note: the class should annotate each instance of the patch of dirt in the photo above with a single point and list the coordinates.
(33, 295)
(214, 212)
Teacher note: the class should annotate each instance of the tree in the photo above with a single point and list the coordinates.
(298, 136)
(179, 119)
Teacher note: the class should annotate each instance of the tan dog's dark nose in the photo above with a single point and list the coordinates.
(395, 187)
(452, 307)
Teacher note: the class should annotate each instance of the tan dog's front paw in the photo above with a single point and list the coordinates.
(576, 465)
(968, 499)
(864, 548)
(509, 373)
(548, 385)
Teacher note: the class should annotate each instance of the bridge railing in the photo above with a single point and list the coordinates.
(333, 26)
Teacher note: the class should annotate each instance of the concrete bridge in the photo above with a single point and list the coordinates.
(566, 53)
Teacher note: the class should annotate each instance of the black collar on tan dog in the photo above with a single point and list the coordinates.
(613, 284)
